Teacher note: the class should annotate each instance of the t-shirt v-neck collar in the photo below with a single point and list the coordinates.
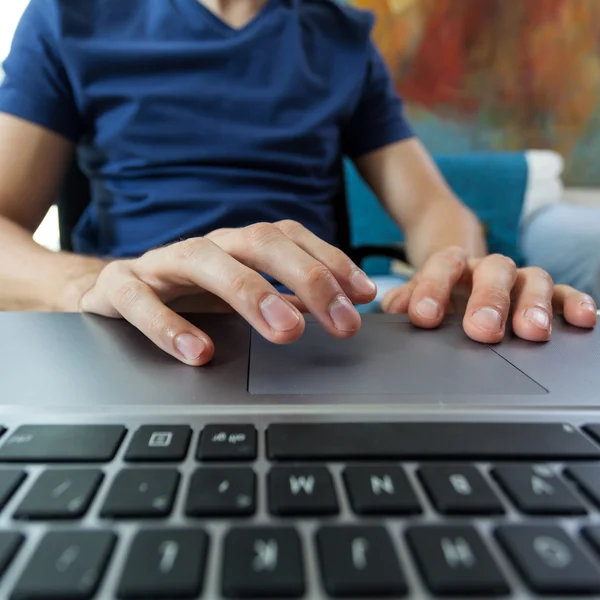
(196, 10)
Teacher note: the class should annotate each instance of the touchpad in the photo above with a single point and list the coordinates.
(384, 358)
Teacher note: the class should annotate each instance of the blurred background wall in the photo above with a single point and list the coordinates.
(499, 74)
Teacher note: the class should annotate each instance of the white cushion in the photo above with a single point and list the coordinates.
(544, 180)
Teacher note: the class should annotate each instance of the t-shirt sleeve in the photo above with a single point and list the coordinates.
(36, 87)
(378, 119)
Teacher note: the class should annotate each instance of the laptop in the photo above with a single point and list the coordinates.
(402, 463)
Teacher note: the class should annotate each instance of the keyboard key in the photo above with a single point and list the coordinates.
(62, 443)
(301, 491)
(262, 562)
(455, 561)
(359, 562)
(587, 478)
(165, 563)
(593, 430)
(141, 493)
(10, 542)
(60, 494)
(227, 442)
(217, 492)
(549, 560)
(443, 441)
(536, 490)
(459, 490)
(380, 490)
(67, 564)
(592, 535)
(10, 480)
(159, 443)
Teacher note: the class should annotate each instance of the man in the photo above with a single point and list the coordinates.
(211, 131)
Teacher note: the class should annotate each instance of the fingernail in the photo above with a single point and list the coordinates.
(189, 346)
(344, 315)
(538, 317)
(361, 284)
(588, 306)
(428, 309)
(488, 318)
(278, 313)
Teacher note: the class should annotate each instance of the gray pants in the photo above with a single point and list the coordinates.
(564, 240)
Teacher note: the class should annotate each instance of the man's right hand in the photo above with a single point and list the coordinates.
(225, 265)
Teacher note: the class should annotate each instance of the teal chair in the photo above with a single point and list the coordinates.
(493, 185)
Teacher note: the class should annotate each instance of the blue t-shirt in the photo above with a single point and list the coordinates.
(185, 125)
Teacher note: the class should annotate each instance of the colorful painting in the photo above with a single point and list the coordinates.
(499, 74)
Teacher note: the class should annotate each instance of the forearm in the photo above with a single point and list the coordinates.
(34, 278)
(444, 223)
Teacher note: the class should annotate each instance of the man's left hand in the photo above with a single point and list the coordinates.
(489, 291)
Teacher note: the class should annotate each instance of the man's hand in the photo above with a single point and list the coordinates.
(225, 266)
(489, 291)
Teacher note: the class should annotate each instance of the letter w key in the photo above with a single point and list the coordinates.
(301, 491)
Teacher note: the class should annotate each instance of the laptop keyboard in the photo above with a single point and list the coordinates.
(302, 510)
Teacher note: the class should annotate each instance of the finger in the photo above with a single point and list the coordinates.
(532, 304)
(354, 281)
(200, 262)
(264, 248)
(136, 302)
(489, 304)
(199, 303)
(435, 281)
(396, 301)
(578, 309)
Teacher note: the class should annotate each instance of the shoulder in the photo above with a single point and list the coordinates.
(338, 19)
(68, 17)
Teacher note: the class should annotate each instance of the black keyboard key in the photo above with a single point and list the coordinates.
(62, 443)
(537, 490)
(549, 560)
(593, 430)
(443, 441)
(301, 491)
(455, 561)
(592, 535)
(587, 478)
(227, 442)
(219, 492)
(10, 542)
(159, 443)
(60, 494)
(165, 563)
(380, 490)
(459, 490)
(10, 480)
(359, 562)
(141, 493)
(67, 564)
(262, 562)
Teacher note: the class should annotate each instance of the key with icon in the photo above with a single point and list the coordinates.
(359, 561)
(262, 562)
(165, 563)
(459, 490)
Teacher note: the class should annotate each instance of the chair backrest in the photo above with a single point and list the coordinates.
(74, 197)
